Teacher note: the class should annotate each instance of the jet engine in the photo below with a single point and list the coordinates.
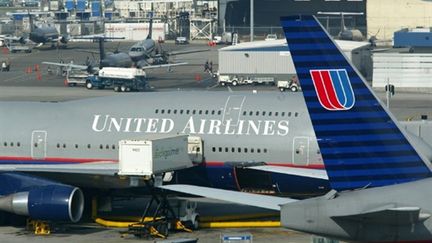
(51, 202)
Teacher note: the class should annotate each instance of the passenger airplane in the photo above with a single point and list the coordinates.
(381, 184)
(45, 34)
(75, 144)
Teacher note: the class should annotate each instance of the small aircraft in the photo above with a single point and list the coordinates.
(347, 33)
(42, 35)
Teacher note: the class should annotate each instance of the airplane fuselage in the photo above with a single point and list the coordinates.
(142, 50)
(236, 128)
(44, 34)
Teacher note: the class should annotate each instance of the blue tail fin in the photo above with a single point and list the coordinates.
(360, 143)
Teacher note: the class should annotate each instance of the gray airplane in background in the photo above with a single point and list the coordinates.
(380, 182)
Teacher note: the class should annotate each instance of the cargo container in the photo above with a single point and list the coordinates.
(153, 155)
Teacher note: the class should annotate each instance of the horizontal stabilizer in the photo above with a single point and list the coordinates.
(164, 65)
(174, 53)
(261, 201)
(94, 168)
(67, 65)
(388, 215)
(311, 173)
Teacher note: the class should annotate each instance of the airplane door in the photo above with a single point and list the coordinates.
(300, 151)
(39, 144)
(233, 107)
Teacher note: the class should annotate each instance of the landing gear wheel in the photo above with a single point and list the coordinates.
(89, 85)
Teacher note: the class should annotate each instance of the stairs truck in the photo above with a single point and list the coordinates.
(119, 79)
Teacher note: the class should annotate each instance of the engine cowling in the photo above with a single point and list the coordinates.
(51, 202)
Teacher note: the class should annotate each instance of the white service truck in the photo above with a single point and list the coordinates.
(287, 85)
(235, 80)
(120, 79)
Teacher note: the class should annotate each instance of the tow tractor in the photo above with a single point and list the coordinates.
(287, 85)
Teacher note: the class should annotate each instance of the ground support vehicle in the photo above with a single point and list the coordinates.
(120, 79)
(287, 85)
(235, 80)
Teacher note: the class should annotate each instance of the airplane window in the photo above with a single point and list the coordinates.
(214, 149)
(113, 146)
(263, 113)
(265, 150)
(257, 113)
(168, 111)
(220, 149)
(239, 150)
(156, 111)
(213, 112)
(226, 150)
(5, 144)
(200, 112)
(276, 113)
(88, 146)
(18, 144)
(270, 113)
(162, 111)
(283, 114)
(58, 145)
(101, 146)
(232, 150)
(175, 111)
(107, 146)
(296, 114)
(35, 145)
(252, 150)
(76, 146)
(219, 112)
(289, 113)
(245, 150)
(244, 113)
(187, 112)
(318, 152)
(11, 144)
(64, 145)
(193, 112)
(250, 113)
(181, 111)
(206, 112)
(258, 150)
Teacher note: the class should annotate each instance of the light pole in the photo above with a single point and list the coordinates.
(251, 20)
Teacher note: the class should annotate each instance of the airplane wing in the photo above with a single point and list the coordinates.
(261, 201)
(94, 168)
(68, 65)
(388, 215)
(174, 53)
(312, 173)
(164, 65)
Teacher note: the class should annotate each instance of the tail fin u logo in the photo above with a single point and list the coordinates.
(333, 88)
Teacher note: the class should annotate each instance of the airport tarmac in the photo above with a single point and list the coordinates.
(19, 85)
